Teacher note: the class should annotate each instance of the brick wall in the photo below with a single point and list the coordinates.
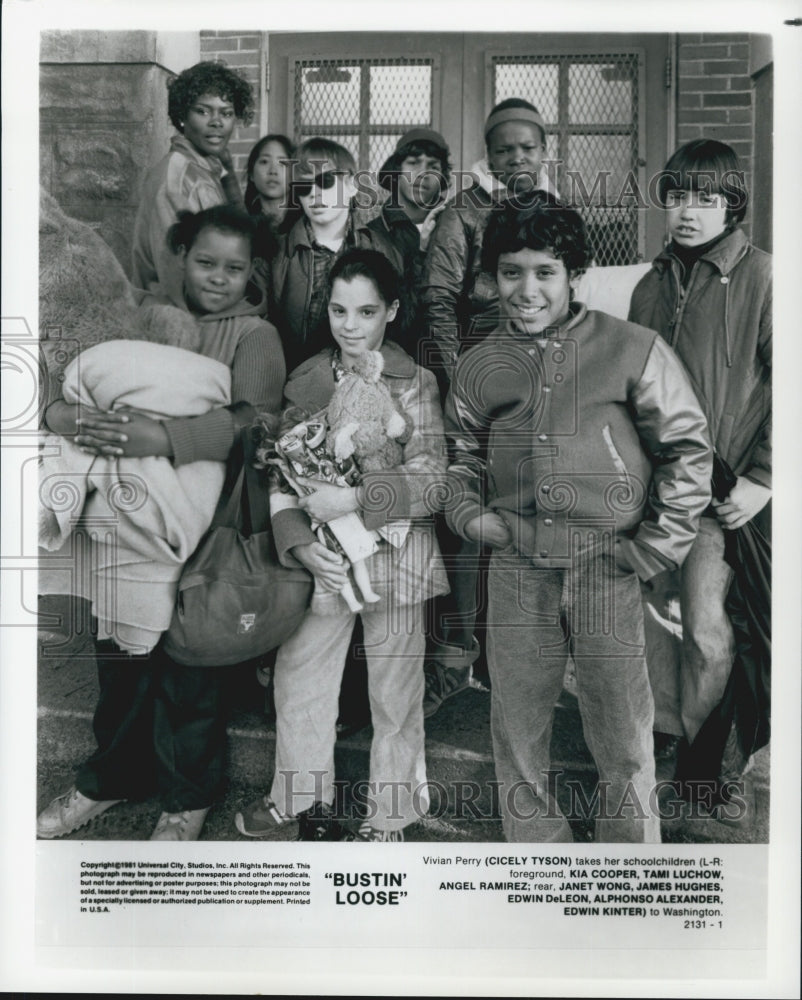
(241, 50)
(714, 93)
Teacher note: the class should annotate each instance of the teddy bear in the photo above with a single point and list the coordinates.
(362, 418)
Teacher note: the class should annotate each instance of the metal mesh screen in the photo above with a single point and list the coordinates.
(364, 104)
(590, 106)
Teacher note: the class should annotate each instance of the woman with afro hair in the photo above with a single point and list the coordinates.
(204, 104)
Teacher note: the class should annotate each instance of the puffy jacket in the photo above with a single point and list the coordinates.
(720, 325)
(459, 299)
(290, 285)
(591, 431)
(394, 225)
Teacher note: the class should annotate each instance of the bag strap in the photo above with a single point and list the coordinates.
(244, 500)
(255, 492)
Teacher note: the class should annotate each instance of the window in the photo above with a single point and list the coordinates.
(364, 104)
(590, 106)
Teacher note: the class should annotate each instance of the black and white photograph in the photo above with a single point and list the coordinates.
(388, 459)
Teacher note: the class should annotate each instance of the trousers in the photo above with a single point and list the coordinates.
(160, 729)
(690, 672)
(538, 618)
(308, 672)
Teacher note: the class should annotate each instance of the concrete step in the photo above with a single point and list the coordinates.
(458, 753)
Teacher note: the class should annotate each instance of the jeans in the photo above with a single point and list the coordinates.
(538, 617)
(160, 729)
(309, 668)
(691, 672)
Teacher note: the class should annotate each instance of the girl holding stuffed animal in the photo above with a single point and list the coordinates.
(160, 726)
(405, 571)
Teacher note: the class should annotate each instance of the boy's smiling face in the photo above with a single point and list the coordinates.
(534, 290)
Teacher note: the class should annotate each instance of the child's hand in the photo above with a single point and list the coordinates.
(429, 223)
(327, 567)
(122, 434)
(744, 501)
(327, 501)
(490, 529)
(62, 417)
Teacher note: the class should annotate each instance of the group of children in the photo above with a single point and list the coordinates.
(576, 447)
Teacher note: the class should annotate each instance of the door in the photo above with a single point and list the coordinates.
(603, 97)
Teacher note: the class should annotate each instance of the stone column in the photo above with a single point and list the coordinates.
(103, 121)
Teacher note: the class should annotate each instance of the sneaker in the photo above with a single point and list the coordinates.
(371, 834)
(185, 825)
(260, 818)
(442, 683)
(319, 823)
(69, 812)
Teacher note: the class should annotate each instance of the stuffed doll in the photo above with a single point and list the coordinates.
(363, 421)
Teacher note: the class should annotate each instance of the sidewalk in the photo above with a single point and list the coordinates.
(458, 753)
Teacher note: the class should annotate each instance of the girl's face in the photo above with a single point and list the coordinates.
(695, 217)
(534, 290)
(216, 270)
(209, 123)
(270, 173)
(358, 316)
(514, 152)
(420, 181)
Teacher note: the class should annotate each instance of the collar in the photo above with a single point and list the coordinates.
(724, 255)
(300, 235)
(180, 144)
(312, 383)
(394, 215)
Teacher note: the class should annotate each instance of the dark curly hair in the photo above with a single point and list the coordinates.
(208, 78)
(227, 219)
(537, 221)
(420, 147)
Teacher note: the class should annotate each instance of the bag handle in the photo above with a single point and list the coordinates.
(244, 501)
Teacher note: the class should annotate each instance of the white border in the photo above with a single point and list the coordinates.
(464, 973)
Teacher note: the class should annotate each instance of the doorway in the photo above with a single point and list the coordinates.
(603, 97)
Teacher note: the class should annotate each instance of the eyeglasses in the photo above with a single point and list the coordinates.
(324, 181)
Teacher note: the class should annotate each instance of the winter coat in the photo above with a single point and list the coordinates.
(185, 180)
(720, 325)
(290, 285)
(413, 572)
(591, 431)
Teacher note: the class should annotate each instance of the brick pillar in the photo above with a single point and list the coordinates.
(715, 97)
(103, 121)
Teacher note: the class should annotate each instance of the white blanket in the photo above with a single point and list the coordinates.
(140, 519)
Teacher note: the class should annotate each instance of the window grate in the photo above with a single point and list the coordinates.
(364, 104)
(590, 104)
